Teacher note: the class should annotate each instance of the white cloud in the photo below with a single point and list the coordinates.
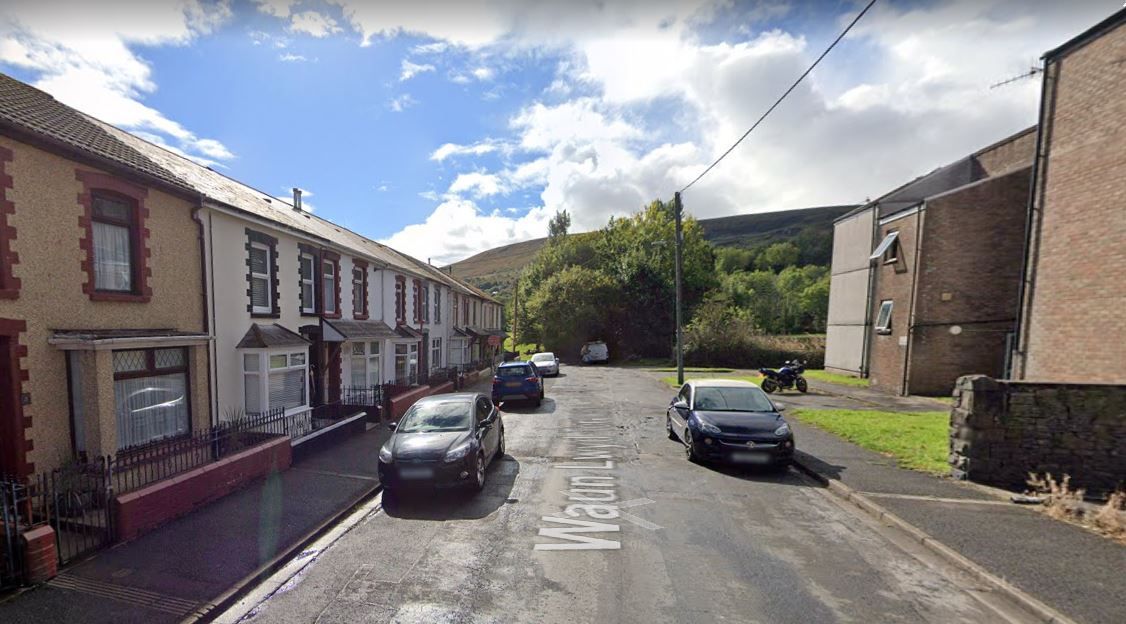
(402, 103)
(479, 184)
(436, 47)
(292, 58)
(410, 70)
(83, 58)
(483, 73)
(458, 229)
(277, 8)
(429, 195)
(460, 79)
(313, 23)
(453, 149)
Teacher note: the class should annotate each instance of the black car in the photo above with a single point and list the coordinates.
(445, 440)
(729, 421)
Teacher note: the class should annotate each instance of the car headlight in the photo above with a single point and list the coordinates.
(782, 431)
(386, 456)
(458, 452)
(707, 427)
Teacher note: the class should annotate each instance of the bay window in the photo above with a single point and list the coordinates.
(150, 388)
(275, 379)
(365, 364)
(113, 225)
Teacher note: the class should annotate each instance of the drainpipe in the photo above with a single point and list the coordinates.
(208, 310)
(865, 350)
(1025, 278)
(915, 267)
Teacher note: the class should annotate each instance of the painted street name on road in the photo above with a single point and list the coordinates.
(593, 493)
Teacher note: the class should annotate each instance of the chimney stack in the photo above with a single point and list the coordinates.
(297, 199)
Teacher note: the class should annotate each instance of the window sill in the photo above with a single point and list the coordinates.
(309, 313)
(360, 317)
(120, 297)
(883, 332)
(331, 315)
(264, 315)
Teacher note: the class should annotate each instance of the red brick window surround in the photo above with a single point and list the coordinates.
(400, 300)
(9, 283)
(14, 444)
(359, 290)
(113, 217)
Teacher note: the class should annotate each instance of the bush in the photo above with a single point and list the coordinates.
(721, 335)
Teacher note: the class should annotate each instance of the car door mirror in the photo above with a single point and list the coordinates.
(680, 404)
(392, 425)
(779, 407)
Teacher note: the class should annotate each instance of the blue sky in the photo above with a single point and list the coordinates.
(445, 128)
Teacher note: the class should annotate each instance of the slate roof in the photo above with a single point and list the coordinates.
(361, 329)
(405, 331)
(23, 107)
(270, 336)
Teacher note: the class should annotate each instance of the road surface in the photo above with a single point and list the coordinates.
(650, 537)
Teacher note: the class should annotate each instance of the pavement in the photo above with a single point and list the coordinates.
(594, 515)
(167, 574)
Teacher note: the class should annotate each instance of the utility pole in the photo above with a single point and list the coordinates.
(679, 209)
(516, 318)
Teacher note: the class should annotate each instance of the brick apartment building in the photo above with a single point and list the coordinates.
(925, 279)
(1073, 321)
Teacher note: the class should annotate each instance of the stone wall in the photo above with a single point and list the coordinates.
(1000, 431)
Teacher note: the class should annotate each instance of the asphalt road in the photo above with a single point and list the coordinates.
(689, 544)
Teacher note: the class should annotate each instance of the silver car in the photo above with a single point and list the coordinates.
(547, 363)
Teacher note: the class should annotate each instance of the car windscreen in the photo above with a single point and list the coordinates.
(543, 357)
(715, 399)
(437, 416)
(514, 371)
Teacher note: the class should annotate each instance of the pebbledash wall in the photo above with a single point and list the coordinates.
(44, 192)
(1003, 430)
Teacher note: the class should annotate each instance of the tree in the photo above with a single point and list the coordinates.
(732, 259)
(778, 256)
(559, 224)
(573, 306)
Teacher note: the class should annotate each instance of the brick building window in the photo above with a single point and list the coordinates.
(359, 290)
(116, 262)
(454, 302)
(416, 301)
(150, 388)
(883, 318)
(400, 300)
(425, 303)
(328, 280)
(888, 248)
(437, 305)
(306, 272)
(262, 275)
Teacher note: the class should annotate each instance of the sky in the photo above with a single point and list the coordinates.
(444, 128)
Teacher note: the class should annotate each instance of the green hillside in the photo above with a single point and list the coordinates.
(810, 228)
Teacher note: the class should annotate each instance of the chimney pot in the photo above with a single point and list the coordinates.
(297, 199)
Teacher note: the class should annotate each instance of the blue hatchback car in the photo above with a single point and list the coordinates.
(518, 380)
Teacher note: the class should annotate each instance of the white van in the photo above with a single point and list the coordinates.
(595, 352)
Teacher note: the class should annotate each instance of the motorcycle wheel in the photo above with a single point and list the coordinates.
(802, 385)
(769, 385)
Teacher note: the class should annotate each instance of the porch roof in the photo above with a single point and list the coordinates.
(341, 330)
(96, 339)
(405, 331)
(270, 336)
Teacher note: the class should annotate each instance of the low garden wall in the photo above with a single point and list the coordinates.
(145, 509)
(1000, 431)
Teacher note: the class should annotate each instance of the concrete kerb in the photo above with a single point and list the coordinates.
(1036, 608)
(214, 608)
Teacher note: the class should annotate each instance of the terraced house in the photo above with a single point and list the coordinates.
(103, 333)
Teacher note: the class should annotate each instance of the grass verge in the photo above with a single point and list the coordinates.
(836, 378)
(671, 380)
(917, 440)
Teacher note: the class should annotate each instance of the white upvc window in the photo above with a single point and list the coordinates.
(275, 378)
(261, 299)
(365, 364)
(308, 284)
(883, 319)
(406, 362)
(329, 286)
(359, 293)
(435, 353)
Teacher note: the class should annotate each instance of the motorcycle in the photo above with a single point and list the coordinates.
(789, 376)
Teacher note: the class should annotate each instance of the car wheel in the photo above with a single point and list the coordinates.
(668, 427)
(479, 476)
(689, 449)
(500, 447)
(769, 385)
(802, 385)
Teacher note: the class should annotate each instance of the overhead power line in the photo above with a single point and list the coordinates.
(783, 97)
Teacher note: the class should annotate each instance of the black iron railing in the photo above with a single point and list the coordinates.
(14, 512)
